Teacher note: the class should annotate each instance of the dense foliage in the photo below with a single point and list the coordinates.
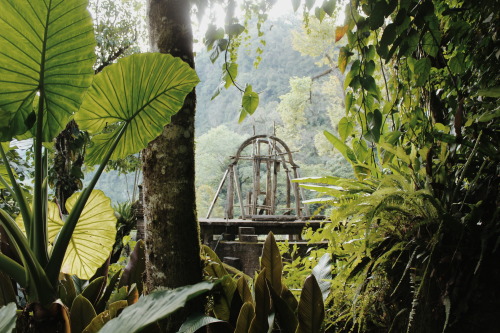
(415, 235)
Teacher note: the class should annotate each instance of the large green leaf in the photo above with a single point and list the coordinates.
(137, 95)
(101, 304)
(215, 268)
(311, 310)
(94, 290)
(197, 321)
(8, 318)
(287, 320)
(346, 151)
(244, 290)
(260, 322)
(54, 222)
(250, 100)
(82, 313)
(245, 318)
(46, 47)
(154, 307)
(271, 261)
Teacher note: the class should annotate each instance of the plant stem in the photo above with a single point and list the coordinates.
(18, 194)
(36, 280)
(38, 239)
(14, 270)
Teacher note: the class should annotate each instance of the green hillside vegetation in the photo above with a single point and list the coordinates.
(292, 106)
(300, 97)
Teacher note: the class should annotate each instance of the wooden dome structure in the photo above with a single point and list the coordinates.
(273, 169)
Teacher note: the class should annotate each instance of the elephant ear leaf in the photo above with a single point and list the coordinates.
(54, 222)
(93, 237)
(133, 99)
(46, 48)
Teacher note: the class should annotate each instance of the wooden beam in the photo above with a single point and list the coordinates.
(237, 184)
(230, 195)
(217, 193)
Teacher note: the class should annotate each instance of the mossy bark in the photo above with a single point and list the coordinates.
(172, 233)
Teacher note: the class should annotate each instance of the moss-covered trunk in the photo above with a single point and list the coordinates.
(172, 233)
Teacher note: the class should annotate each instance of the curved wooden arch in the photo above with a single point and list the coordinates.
(251, 140)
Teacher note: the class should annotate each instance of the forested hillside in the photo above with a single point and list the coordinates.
(283, 81)
(292, 105)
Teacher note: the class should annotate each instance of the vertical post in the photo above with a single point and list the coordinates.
(288, 179)
(249, 202)
(296, 193)
(256, 179)
(230, 194)
(238, 189)
(276, 166)
(269, 186)
(302, 195)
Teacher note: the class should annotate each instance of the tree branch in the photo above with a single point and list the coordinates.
(112, 58)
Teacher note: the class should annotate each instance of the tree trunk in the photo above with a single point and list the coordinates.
(172, 232)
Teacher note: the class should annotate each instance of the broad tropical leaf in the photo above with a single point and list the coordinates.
(82, 313)
(95, 289)
(54, 222)
(260, 322)
(47, 47)
(101, 304)
(93, 237)
(311, 309)
(245, 318)
(285, 315)
(137, 95)
(67, 289)
(215, 267)
(195, 322)
(244, 290)
(271, 261)
(154, 307)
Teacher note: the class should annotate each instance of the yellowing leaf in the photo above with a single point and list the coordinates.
(5, 176)
(340, 32)
(54, 222)
(93, 237)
